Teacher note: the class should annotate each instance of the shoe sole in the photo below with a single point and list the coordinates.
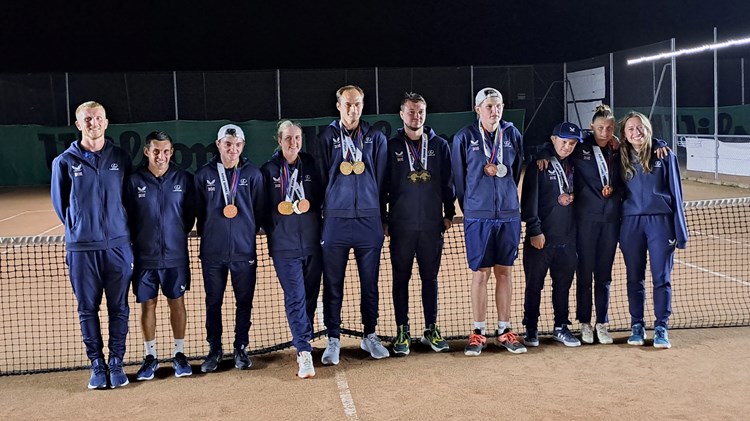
(512, 351)
(425, 341)
(306, 376)
(329, 362)
(377, 357)
(636, 343)
(401, 353)
(472, 353)
(183, 374)
(606, 341)
(127, 382)
(144, 378)
(587, 340)
(531, 343)
(240, 367)
(663, 346)
(101, 386)
(568, 344)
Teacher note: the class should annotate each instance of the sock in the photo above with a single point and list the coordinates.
(179, 346)
(150, 347)
(482, 326)
(501, 326)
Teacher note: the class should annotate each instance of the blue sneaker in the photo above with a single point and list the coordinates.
(117, 377)
(638, 337)
(181, 365)
(661, 339)
(98, 379)
(148, 368)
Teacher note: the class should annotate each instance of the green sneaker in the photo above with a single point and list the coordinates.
(402, 342)
(434, 339)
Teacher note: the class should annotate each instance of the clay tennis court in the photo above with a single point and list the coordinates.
(703, 376)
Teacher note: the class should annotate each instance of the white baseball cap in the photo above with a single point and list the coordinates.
(230, 130)
(485, 93)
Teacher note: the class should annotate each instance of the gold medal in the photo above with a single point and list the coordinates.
(303, 205)
(424, 176)
(607, 191)
(285, 208)
(358, 167)
(490, 170)
(230, 211)
(413, 176)
(345, 168)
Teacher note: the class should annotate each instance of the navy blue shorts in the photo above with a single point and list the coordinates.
(491, 242)
(173, 281)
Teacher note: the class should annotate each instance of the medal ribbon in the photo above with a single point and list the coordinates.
(412, 153)
(602, 165)
(290, 186)
(349, 149)
(494, 155)
(229, 194)
(562, 176)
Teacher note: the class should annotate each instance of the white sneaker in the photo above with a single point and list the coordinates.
(331, 354)
(603, 334)
(371, 343)
(305, 362)
(587, 334)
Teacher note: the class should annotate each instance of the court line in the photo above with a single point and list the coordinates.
(345, 394)
(51, 229)
(719, 274)
(22, 213)
(721, 238)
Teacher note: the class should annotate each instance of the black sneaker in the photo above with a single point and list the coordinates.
(402, 342)
(181, 365)
(241, 360)
(212, 360)
(148, 368)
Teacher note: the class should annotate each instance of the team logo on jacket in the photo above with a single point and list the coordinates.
(586, 155)
(431, 152)
(399, 156)
(308, 178)
(141, 192)
(551, 173)
(657, 164)
(474, 145)
(336, 143)
(211, 185)
(177, 188)
(114, 167)
(368, 139)
(276, 182)
(506, 143)
(243, 182)
(77, 170)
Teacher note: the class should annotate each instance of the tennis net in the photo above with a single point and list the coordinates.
(40, 329)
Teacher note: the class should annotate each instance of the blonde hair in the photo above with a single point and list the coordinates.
(285, 124)
(89, 104)
(644, 155)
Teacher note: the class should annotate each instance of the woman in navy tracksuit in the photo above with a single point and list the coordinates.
(290, 178)
(653, 221)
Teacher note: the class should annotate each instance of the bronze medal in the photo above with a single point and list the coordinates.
(358, 167)
(490, 170)
(424, 176)
(565, 199)
(607, 191)
(303, 205)
(413, 176)
(230, 211)
(285, 208)
(345, 168)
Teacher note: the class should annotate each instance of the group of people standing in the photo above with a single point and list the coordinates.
(349, 190)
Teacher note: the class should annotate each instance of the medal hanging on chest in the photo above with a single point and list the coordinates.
(494, 166)
(604, 166)
(292, 191)
(418, 172)
(229, 192)
(566, 196)
(351, 151)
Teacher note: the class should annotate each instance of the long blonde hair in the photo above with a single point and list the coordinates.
(644, 155)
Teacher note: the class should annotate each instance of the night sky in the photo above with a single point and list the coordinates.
(220, 35)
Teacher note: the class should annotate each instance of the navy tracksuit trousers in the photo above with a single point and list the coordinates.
(596, 243)
(561, 263)
(300, 279)
(427, 246)
(340, 235)
(652, 234)
(92, 274)
(215, 284)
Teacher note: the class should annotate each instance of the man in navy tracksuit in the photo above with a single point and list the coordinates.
(487, 157)
(87, 186)
(653, 224)
(547, 210)
(294, 193)
(352, 159)
(160, 201)
(230, 207)
(419, 191)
